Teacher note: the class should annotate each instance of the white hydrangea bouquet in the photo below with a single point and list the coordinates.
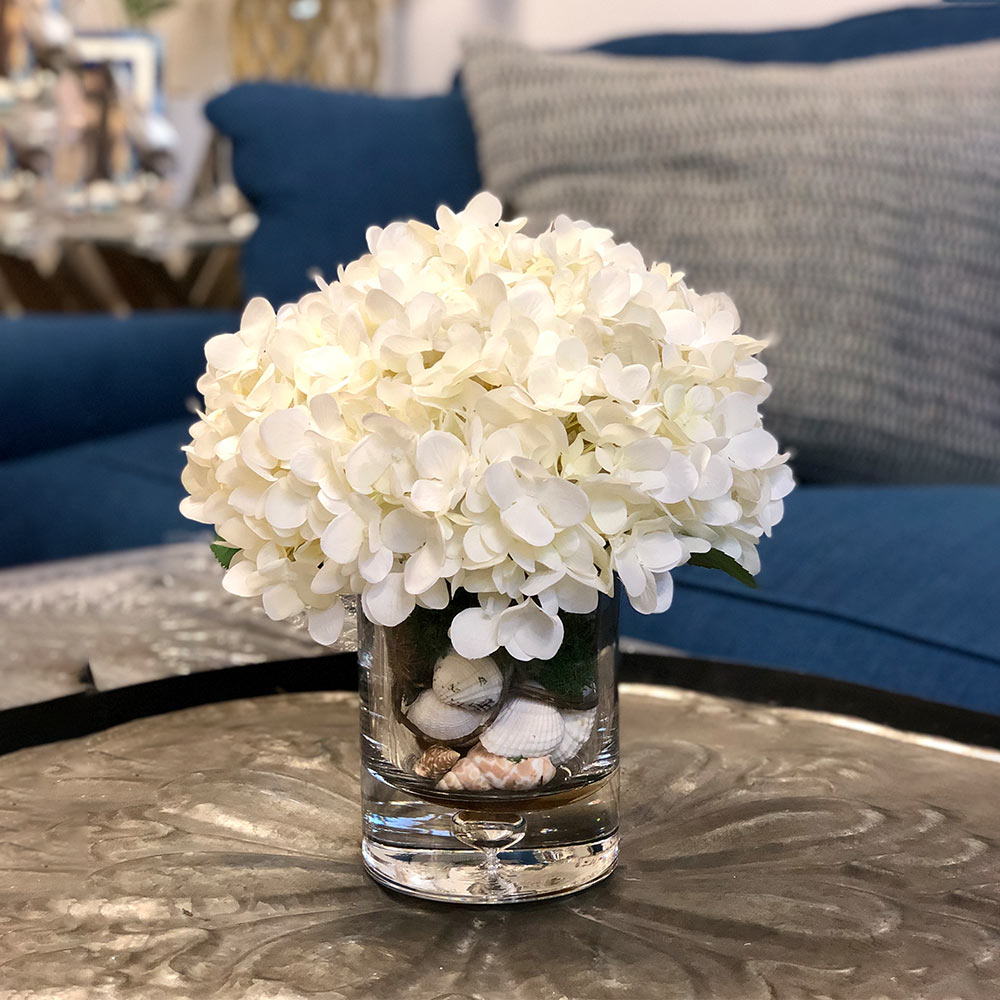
(467, 407)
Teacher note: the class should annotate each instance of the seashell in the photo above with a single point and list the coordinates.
(440, 721)
(577, 727)
(481, 771)
(524, 728)
(468, 683)
(436, 761)
(465, 775)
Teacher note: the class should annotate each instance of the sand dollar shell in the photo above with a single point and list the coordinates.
(524, 728)
(438, 720)
(474, 684)
(577, 727)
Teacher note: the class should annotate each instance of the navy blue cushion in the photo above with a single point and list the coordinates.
(117, 492)
(321, 167)
(893, 587)
(89, 375)
(903, 30)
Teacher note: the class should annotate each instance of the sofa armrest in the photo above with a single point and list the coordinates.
(67, 378)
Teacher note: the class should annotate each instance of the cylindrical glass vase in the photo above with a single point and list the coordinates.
(492, 780)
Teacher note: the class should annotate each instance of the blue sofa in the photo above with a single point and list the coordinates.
(890, 586)
(95, 411)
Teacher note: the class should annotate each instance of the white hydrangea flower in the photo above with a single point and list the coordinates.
(467, 407)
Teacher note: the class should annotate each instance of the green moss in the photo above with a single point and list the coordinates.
(571, 674)
(418, 643)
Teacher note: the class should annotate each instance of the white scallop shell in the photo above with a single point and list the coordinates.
(441, 721)
(577, 727)
(524, 728)
(467, 683)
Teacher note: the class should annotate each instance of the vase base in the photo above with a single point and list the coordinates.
(461, 876)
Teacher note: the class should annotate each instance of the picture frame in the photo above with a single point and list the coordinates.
(135, 59)
(116, 94)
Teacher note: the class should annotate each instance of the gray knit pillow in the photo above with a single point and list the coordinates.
(853, 209)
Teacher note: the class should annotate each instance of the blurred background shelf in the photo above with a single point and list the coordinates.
(120, 263)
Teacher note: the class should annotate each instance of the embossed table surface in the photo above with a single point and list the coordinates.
(106, 621)
(767, 853)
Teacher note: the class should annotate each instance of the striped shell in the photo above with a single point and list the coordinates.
(577, 727)
(440, 721)
(524, 728)
(468, 683)
(481, 771)
(435, 762)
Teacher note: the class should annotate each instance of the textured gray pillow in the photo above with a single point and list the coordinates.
(852, 209)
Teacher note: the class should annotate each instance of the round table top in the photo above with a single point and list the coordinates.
(766, 853)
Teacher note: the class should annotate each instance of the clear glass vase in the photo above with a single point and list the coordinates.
(492, 780)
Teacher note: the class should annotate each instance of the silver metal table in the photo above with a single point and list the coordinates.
(768, 853)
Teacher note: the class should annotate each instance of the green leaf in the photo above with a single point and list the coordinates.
(714, 559)
(223, 553)
(140, 11)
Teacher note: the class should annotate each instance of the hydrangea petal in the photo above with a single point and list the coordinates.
(721, 325)
(624, 382)
(484, 210)
(489, 291)
(257, 321)
(343, 537)
(502, 484)
(680, 477)
(715, 480)
(681, 326)
(387, 602)
(656, 596)
(631, 571)
(659, 551)
(243, 580)
(430, 496)
(751, 449)
(572, 354)
(326, 414)
(473, 633)
(576, 597)
(281, 601)
(375, 565)
(648, 453)
(538, 635)
(423, 568)
(526, 521)
(609, 291)
(366, 462)
(609, 513)
(782, 482)
(284, 508)
(440, 455)
(325, 627)
(564, 503)
(403, 531)
(227, 352)
(436, 597)
(664, 592)
(474, 547)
